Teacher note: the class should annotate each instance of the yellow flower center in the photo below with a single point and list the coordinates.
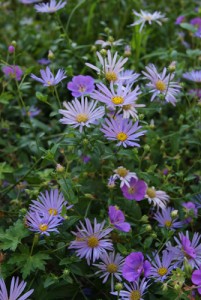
(160, 85)
(121, 136)
(151, 193)
(127, 107)
(49, 82)
(162, 271)
(122, 172)
(111, 76)
(43, 227)
(148, 18)
(131, 190)
(112, 268)
(135, 295)
(92, 241)
(52, 211)
(168, 223)
(82, 118)
(82, 88)
(117, 100)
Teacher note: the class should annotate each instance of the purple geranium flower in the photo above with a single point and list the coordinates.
(81, 85)
(166, 220)
(16, 290)
(117, 219)
(135, 265)
(47, 77)
(13, 72)
(136, 190)
(196, 279)
(50, 7)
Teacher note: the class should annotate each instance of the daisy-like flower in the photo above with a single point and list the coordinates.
(50, 7)
(13, 72)
(124, 175)
(80, 114)
(42, 223)
(190, 211)
(110, 66)
(179, 20)
(145, 16)
(81, 85)
(91, 243)
(47, 77)
(194, 76)
(158, 198)
(129, 110)
(117, 219)
(196, 279)
(104, 44)
(166, 220)
(136, 189)
(122, 96)
(111, 266)
(32, 112)
(161, 267)
(16, 290)
(131, 75)
(187, 250)
(50, 203)
(162, 84)
(135, 290)
(123, 131)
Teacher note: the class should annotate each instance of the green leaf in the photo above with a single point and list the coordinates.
(122, 249)
(41, 97)
(5, 97)
(188, 27)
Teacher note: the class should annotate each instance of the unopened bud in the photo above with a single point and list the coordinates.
(103, 52)
(50, 55)
(60, 168)
(11, 49)
(146, 148)
(172, 67)
(174, 213)
(118, 287)
(148, 228)
(110, 39)
(13, 43)
(141, 116)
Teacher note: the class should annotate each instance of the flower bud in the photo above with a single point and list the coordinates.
(11, 49)
(148, 228)
(60, 168)
(118, 287)
(110, 39)
(146, 148)
(13, 43)
(172, 67)
(50, 55)
(103, 52)
(174, 213)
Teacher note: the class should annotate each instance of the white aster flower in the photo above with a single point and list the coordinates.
(104, 44)
(158, 198)
(50, 7)
(124, 175)
(145, 16)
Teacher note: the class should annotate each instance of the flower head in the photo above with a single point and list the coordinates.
(179, 20)
(135, 290)
(117, 219)
(80, 114)
(145, 16)
(13, 72)
(190, 210)
(44, 61)
(123, 131)
(47, 77)
(194, 76)
(166, 220)
(16, 289)
(124, 175)
(136, 189)
(50, 7)
(196, 279)
(161, 267)
(162, 84)
(81, 85)
(91, 242)
(158, 198)
(32, 112)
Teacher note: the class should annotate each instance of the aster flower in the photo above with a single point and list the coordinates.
(13, 72)
(104, 44)
(158, 198)
(80, 114)
(134, 266)
(124, 175)
(190, 210)
(91, 243)
(50, 7)
(111, 266)
(42, 223)
(145, 16)
(29, 1)
(162, 84)
(161, 267)
(187, 249)
(81, 85)
(117, 219)
(47, 77)
(110, 66)
(179, 20)
(130, 75)
(135, 290)
(196, 279)
(194, 76)
(16, 289)
(111, 182)
(122, 96)
(123, 131)
(196, 93)
(166, 220)
(44, 61)
(50, 203)
(32, 112)
(136, 190)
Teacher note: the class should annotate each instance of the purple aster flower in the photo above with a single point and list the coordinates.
(135, 290)
(117, 219)
(16, 289)
(162, 84)
(187, 250)
(194, 76)
(124, 175)
(32, 112)
(166, 220)
(42, 223)
(113, 98)
(123, 131)
(80, 114)
(50, 203)
(111, 265)
(134, 266)
(161, 267)
(91, 242)
(196, 93)
(47, 77)
(190, 211)
(111, 182)
(130, 77)
(196, 279)
(86, 159)
(50, 7)
(81, 85)
(136, 190)
(44, 61)
(179, 20)
(158, 198)
(13, 72)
